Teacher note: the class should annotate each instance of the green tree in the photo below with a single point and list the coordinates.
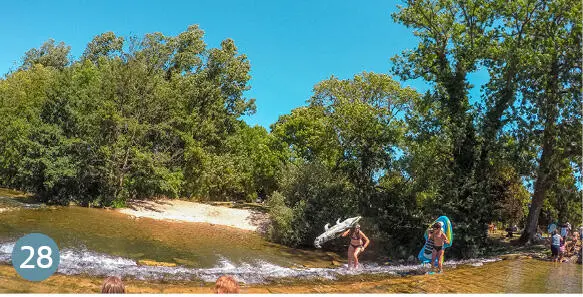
(155, 116)
(344, 147)
(48, 55)
(552, 91)
(455, 36)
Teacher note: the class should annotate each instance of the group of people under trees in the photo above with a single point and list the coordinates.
(566, 242)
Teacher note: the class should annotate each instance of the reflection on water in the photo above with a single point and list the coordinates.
(112, 233)
(517, 276)
(508, 276)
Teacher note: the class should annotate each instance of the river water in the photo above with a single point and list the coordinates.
(99, 243)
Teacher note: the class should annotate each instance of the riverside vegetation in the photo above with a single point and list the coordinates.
(152, 116)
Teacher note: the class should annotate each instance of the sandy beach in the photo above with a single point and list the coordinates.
(186, 211)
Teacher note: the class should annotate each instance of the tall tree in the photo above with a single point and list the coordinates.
(454, 38)
(552, 88)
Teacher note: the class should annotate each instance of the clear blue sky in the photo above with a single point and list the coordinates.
(291, 45)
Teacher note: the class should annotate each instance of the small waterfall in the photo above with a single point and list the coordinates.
(83, 261)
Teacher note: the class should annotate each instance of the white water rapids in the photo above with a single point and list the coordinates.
(83, 261)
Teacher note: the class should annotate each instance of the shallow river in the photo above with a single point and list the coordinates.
(95, 243)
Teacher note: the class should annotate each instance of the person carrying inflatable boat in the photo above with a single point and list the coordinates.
(438, 237)
(439, 240)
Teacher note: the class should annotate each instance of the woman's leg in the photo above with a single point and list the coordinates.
(350, 255)
(440, 259)
(433, 255)
(355, 255)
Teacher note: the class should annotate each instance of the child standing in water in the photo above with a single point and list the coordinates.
(556, 245)
(439, 239)
(356, 244)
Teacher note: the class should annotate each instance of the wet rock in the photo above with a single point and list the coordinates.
(510, 256)
(411, 259)
(184, 262)
(146, 262)
(136, 255)
(336, 263)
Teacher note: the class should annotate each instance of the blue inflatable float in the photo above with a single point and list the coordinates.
(425, 253)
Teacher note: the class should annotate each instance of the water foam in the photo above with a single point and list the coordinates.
(84, 261)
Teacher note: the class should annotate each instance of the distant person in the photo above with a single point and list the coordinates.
(113, 285)
(564, 230)
(556, 245)
(439, 239)
(358, 243)
(510, 231)
(563, 249)
(571, 243)
(491, 227)
(539, 236)
(226, 284)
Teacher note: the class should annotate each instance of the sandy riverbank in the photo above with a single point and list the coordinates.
(186, 211)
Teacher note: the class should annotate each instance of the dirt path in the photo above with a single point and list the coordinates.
(186, 211)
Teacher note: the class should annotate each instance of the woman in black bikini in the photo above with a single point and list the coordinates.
(439, 239)
(356, 247)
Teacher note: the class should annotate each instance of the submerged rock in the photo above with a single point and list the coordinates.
(146, 262)
(510, 256)
(184, 262)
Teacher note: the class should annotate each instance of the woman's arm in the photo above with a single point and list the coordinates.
(445, 238)
(345, 233)
(365, 239)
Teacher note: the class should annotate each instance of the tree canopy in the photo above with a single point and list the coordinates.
(161, 116)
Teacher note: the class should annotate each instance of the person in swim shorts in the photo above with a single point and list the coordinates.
(358, 243)
(439, 239)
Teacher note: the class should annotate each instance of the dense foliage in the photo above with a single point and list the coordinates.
(155, 116)
(161, 116)
(407, 158)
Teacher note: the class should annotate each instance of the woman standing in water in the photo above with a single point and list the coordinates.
(356, 246)
(439, 239)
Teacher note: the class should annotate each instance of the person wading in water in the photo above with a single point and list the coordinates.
(439, 239)
(356, 244)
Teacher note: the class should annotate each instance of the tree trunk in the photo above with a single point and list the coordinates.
(540, 189)
(543, 181)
